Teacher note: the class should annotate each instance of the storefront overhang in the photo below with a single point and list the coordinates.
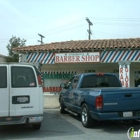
(105, 56)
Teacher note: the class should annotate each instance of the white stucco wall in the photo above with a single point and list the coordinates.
(98, 67)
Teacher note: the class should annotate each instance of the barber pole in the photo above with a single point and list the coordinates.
(124, 73)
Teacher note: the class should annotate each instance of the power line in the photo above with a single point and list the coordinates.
(68, 28)
(53, 29)
(112, 18)
(78, 23)
(56, 32)
(63, 26)
(104, 33)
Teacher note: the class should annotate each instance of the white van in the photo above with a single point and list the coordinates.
(21, 95)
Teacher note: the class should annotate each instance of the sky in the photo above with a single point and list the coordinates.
(65, 20)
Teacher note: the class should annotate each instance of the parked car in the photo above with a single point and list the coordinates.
(99, 97)
(21, 95)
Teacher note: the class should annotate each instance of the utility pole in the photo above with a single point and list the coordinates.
(89, 30)
(41, 41)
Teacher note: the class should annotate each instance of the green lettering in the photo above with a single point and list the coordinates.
(51, 76)
(60, 76)
(45, 76)
(56, 76)
(64, 76)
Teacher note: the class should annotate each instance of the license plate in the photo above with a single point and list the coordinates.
(22, 99)
(35, 119)
(127, 114)
(8, 119)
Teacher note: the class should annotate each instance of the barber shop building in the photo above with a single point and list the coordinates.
(61, 60)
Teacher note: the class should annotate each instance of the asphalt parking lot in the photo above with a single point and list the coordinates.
(58, 126)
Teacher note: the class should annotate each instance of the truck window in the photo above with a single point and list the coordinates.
(22, 77)
(72, 83)
(69, 83)
(100, 81)
(3, 77)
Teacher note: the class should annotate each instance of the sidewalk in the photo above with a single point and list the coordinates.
(51, 101)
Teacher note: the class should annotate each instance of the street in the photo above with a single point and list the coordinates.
(58, 126)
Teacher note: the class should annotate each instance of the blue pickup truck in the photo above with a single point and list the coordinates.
(99, 97)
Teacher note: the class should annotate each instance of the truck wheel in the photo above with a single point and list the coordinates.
(36, 126)
(87, 121)
(62, 106)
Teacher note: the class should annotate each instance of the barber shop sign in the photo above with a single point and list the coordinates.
(77, 57)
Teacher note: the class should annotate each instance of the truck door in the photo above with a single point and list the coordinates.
(24, 91)
(4, 91)
(73, 93)
(67, 93)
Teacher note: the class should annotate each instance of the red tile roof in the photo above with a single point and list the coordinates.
(84, 45)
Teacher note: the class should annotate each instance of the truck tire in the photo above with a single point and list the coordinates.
(36, 126)
(86, 119)
(62, 106)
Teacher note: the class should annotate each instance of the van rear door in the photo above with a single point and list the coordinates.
(25, 93)
(4, 91)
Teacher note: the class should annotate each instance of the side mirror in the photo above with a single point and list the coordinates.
(63, 85)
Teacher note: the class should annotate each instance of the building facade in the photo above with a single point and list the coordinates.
(2, 58)
(61, 60)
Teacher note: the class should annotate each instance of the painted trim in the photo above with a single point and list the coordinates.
(105, 57)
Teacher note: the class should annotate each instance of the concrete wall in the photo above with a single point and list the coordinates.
(51, 101)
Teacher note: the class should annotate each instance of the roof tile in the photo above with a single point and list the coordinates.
(84, 45)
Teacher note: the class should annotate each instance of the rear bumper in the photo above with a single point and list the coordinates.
(29, 119)
(112, 116)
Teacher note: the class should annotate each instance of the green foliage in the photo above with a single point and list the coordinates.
(14, 42)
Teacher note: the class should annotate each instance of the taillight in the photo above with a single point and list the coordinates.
(99, 102)
(100, 74)
(39, 80)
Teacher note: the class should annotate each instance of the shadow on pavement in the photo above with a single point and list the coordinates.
(116, 127)
(53, 125)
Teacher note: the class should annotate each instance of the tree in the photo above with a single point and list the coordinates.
(14, 42)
